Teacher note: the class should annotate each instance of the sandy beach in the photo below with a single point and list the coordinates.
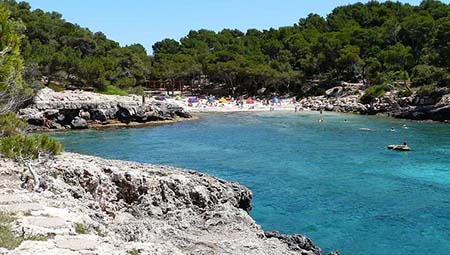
(257, 106)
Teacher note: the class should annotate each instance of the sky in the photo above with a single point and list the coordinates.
(149, 21)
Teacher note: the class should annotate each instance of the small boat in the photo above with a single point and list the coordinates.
(365, 129)
(399, 147)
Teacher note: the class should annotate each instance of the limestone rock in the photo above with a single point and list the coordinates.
(79, 123)
(125, 206)
(63, 107)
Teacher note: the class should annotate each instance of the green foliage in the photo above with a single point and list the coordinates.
(133, 252)
(70, 55)
(384, 43)
(29, 146)
(7, 238)
(405, 93)
(80, 229)
(111, 90)
(427, 75)
(12, 88)
(427, 90)
(55, 87)
(373, 92)
(10, 124)
(11, 63)
(378, 42)
(6, 218)
(13, 144)
(139, 90)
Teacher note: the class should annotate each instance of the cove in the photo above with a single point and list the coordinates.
(327, 180)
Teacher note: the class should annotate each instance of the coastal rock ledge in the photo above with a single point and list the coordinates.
(83, 109)
(90, 205)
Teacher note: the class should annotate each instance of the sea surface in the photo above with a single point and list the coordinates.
(328, 180)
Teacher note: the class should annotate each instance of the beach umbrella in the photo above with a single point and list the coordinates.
(275, 100)
(250, 101)
(222, 100)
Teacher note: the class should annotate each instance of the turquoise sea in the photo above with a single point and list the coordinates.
(327, 180)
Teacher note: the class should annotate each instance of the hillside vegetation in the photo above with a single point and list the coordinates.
(61, 53)
(377, 43)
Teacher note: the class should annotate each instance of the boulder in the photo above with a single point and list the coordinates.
(296, 243)
(334, 92)
(79, 123)
(440, 114)
(32, 115)
(124, 115)
(51, 113)
(183, 114)
(84, 114)
(99, 115)
(445, 101)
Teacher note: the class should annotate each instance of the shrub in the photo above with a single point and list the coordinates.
(426, 75)
(111, 90)
(80, 229)
(373, 92)
(22, 146)
(405, 93)
(10, 124)
(427, 90)
(133, 252)
(139, 90)
(55, 87)
(7, 238)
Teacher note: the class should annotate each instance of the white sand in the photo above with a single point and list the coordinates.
(202, 106)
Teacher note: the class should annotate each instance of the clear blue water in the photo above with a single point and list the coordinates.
(329, 180)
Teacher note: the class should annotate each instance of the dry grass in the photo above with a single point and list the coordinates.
(7, 238)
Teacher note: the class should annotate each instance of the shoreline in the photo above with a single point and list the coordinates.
(170, 210)
(216, 110)
(116, 124)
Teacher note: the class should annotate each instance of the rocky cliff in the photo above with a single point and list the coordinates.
(80, 109)
(89, 205)
(435, 106)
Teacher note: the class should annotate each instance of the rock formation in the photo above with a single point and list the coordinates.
(417, 107)
(89, 205)
(79, 109)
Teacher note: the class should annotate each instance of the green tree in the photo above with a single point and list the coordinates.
(12, 88)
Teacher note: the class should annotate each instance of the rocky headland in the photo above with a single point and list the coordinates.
(346, 98)
(90, 205)
(82, 109)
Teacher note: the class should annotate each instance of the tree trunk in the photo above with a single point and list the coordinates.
(33, 173)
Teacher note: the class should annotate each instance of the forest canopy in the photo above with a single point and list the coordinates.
(375, 43)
